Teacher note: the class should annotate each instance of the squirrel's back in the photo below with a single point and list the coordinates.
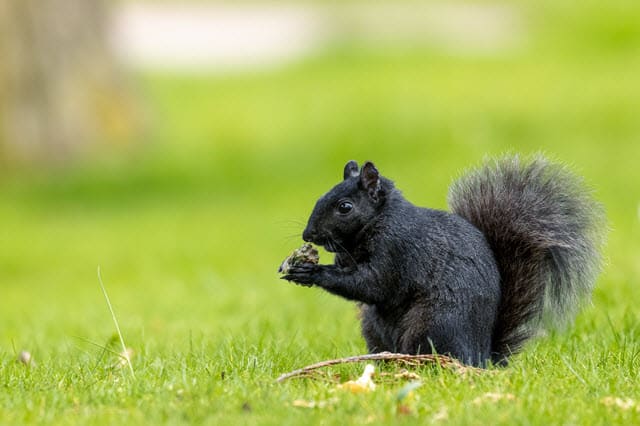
(545, 231)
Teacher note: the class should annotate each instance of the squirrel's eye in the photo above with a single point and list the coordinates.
(345, 207)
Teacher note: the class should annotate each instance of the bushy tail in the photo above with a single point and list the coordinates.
(545, 231)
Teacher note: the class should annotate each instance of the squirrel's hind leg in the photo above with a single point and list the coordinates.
(373, 330)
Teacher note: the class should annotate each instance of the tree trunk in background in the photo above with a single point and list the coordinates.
(60, 91)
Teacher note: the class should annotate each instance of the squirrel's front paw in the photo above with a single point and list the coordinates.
(304, 274)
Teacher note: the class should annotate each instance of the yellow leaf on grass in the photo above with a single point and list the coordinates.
(363, 384)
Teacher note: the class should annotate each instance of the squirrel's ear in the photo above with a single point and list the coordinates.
(350, 169)
(370, 180)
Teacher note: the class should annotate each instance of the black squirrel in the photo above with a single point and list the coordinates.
(521, 244)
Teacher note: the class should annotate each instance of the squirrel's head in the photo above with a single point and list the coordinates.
(347, 208)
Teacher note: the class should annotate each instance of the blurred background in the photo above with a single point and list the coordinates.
(181, 146)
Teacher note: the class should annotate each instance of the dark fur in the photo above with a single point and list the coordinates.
(474, 284)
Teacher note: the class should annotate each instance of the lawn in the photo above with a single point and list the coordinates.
(190, 226)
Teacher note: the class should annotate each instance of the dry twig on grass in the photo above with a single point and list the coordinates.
(414, 360)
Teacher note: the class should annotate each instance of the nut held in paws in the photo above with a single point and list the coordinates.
(305, 254)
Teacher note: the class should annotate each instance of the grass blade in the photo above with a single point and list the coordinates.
(115, 321)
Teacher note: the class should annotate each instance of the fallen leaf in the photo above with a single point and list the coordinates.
(622, 403)
(493, 397)
(301, 403)
(363, 383)
(406, 374)
(443, 414)
(403, 409)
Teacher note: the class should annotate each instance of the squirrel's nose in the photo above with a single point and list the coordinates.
(308, 235)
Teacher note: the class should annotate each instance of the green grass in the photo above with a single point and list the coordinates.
(190, 228)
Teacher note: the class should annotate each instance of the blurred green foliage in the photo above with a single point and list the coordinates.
(190, 226)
